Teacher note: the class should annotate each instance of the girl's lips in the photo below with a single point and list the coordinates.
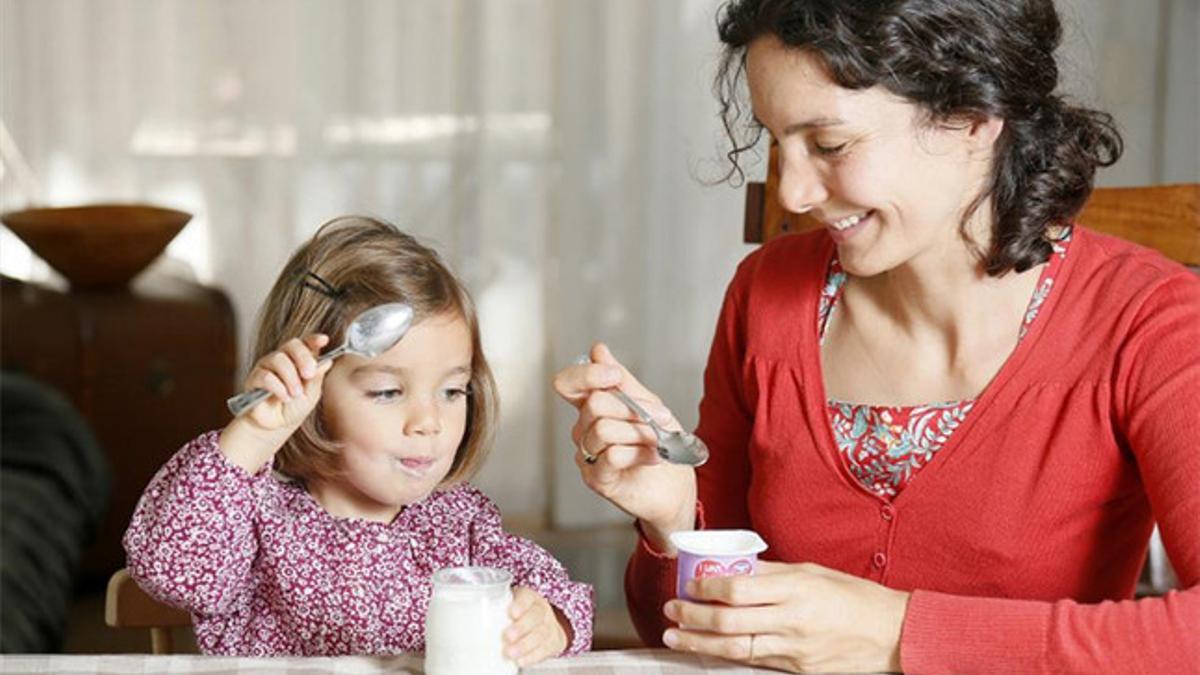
(413, 465)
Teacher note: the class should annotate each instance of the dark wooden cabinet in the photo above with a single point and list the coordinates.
(148, 366)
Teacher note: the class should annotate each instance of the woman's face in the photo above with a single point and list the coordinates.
(400, 417)
(889, 188)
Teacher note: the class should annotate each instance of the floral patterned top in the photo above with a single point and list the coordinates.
(265, 570)
(883, 447)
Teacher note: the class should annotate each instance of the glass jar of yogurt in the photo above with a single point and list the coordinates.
(464, 630)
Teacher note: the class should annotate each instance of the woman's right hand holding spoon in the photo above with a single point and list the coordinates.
(627, 469)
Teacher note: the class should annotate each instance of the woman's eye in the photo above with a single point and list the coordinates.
(453, 394)
(384, 394)
(830, 149)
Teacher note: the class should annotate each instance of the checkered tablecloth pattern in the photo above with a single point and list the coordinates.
(633, 662)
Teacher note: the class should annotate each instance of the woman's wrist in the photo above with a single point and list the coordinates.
(893, 627)
(659, 534)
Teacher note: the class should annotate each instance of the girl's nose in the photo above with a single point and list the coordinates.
(423, 419)
(801, 185)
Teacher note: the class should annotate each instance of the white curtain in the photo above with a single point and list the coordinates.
(1139, 61)
(548, 149)
(554, 151)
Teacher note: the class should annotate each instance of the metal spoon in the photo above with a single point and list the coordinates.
(676, 447)
(370, 334)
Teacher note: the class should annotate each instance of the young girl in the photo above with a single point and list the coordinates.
(333, 551)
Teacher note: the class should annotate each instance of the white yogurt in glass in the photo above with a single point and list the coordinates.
(464, 630)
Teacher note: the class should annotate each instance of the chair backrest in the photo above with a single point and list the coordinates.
(1162, 217)
(128, 606)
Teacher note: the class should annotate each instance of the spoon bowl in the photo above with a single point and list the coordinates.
(372, 333)
(676, 447)
(376, 330)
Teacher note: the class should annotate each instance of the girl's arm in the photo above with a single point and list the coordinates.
(192, 539)
(531, 566)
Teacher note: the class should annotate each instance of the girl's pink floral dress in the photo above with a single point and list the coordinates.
(265, 570)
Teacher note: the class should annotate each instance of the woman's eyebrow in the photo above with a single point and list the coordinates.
(814, 123)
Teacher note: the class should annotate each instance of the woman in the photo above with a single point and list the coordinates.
(953, 416)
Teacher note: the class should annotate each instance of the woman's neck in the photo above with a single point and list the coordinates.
(943, 294)
(935, 329)
(932, 292)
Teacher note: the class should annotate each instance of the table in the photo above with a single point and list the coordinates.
(619, 662)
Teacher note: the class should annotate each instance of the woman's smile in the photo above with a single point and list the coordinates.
(845, 227)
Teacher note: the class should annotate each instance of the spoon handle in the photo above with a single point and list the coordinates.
(332, 353)
(637, 409)
(584, 360)
(239, 404)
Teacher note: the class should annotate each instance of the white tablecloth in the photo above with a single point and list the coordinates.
(635, 662)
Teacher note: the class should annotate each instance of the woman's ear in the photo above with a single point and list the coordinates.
(983, 133)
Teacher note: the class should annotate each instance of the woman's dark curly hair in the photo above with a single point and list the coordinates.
(957, 60)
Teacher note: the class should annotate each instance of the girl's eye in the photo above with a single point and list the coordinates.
(384, 394)
(455, 394)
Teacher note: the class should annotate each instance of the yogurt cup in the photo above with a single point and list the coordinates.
(715, 553)
(464, 629)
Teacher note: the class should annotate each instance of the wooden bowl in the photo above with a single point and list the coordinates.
(100, 245)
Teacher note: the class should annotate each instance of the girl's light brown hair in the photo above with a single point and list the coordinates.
(368, 262)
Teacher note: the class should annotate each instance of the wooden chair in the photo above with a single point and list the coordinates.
(128, 606)
(1163, 217)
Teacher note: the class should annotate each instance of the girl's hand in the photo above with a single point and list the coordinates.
(537, 632)
(794, 617)
(627, 471)
(294, 379)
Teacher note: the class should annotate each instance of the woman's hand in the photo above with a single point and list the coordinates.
(627, 471)
(537, 632)
(794, 617)
(294, 379)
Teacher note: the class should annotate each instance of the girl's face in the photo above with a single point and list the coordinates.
(400, 418)
(888, 187)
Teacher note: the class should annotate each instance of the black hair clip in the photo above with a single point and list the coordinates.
(313, 281)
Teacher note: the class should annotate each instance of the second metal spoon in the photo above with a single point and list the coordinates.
(676, 447)
(370, 334)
